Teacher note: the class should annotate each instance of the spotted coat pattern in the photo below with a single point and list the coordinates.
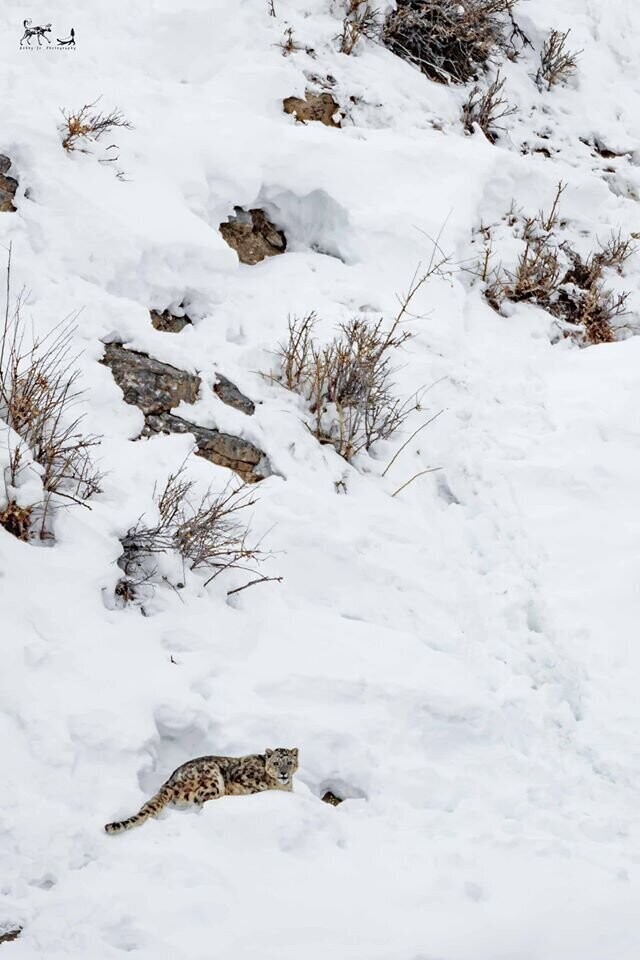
(207, 778)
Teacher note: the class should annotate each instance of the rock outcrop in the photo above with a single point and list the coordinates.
(232, 396)
(221, 448)
(253, 236)
(146, 383)
(168, 322)
(157, 388)
(320, 107)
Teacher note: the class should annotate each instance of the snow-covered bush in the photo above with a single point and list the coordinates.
(38, 395)
(551, 274)
(209, 534)
(448, 40)
(347, 382)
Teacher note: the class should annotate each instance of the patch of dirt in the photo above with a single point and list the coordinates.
(253, 236)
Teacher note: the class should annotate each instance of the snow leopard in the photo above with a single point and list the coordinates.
(208, 778)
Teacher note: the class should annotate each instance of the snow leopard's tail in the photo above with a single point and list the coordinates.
(149, 809)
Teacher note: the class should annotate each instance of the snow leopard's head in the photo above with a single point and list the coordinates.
(281, 764)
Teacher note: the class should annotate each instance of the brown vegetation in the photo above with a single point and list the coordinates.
(451, 41)
(555, 277)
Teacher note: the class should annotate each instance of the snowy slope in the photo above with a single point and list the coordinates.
(460, 660)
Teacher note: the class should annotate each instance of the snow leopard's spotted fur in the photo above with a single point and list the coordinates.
(208, 778)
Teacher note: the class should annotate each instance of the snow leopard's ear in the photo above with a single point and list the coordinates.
(268, 753)
(295, 754)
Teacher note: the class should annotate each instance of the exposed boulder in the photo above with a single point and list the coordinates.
(168, 322)
(8, 186)
(156, 388)
(232, 396)
(152, 386)
(315, 106)
(221, 448)
(253, 236)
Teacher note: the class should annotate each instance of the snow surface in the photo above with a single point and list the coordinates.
(461, 660)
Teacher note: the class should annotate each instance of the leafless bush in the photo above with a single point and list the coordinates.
(557, 63)
(38, 393)
(88, 124)
(487, 109)
(555, 277)
(209, 534)
(360, 20)
(448, 40)
(348, 381)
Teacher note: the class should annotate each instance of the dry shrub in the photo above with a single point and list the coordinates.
(209, 534)
(360, 20)
(38, 394)
(348, 381)
(487, 109)
(89, 124)
(552, 275)
(557, 63)
(451, 41)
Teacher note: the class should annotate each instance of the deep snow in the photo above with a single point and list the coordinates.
(461, 660)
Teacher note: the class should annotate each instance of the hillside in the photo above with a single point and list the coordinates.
(449, 631)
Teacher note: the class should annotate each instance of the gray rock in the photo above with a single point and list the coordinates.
(8, 186)
(152, 386)
(156, 388)
(220, 448)
(253, 236)
(232, 396)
